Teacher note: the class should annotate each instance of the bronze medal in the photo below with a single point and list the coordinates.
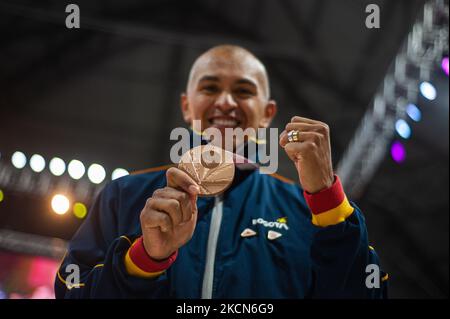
(211, 167)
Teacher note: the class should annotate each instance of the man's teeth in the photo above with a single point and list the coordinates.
(223, 122)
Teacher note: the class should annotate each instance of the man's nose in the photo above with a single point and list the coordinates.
(226, 102)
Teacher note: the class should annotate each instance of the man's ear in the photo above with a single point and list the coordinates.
(185, 109)
(269, 113)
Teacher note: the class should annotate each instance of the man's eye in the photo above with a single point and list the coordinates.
(244, 92)
(210, 89)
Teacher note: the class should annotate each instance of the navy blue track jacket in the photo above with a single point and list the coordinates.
(263, 238)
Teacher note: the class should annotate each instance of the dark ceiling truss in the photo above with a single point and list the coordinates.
(63, 46)
(29, 72)
(423, 47)
(249, 38)
(91, 56)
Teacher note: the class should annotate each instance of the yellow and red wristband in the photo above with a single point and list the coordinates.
(139, 263)
(329, 206)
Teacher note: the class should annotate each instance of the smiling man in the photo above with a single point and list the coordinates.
(150, 236)
(228, 87)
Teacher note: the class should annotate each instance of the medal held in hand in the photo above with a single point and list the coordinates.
(211, 167)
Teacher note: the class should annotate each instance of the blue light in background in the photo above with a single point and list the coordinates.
(414, 112)
(428, 90)
(403, 129)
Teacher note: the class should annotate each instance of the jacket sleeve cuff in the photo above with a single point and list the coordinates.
(329, 206)
(139, 263)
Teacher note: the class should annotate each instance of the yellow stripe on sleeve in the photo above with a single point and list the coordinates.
(333, 216)
(134, 270)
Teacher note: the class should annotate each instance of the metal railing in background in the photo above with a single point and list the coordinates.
(30, 244)
(44, 184)
(424, 47)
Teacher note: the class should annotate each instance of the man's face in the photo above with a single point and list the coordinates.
(228, 92)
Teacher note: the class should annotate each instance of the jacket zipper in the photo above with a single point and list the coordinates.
(214, 229)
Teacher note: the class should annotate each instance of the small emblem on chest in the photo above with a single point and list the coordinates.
(248, 233)
(271, 235)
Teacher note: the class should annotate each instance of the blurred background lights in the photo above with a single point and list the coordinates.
(19, 160)
(37, 163)
(403, 128)
(398, 152)
(119, 172)
(444, 65)
(413, 112)
(79, 210)
(60, 204)
(428, 90)
(96, 173)
(2, 196)
(76, 169)
(57, 166)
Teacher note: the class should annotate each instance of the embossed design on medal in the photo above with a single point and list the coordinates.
(211, 167)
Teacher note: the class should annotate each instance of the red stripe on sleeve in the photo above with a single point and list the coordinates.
(141, 259)
(326, 199)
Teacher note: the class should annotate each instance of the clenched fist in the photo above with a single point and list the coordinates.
(311, 154)
(169, 217)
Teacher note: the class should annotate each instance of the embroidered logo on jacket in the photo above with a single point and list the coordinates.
(280, 223)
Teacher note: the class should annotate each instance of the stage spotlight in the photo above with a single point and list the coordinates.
(403, 129)
(96, 173)
(428, 90)
(2, 196)
(76, 169)
(414, 112)
(19, 160)
(60, 204)
(119, 172)
(398, 152)
(444, 65)
(57, 166)
(37, 163)
(79, 210)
